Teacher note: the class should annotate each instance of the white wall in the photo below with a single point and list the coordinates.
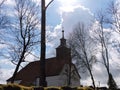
(55, 81)
(59, 80)
(16, 81)
(75, 80)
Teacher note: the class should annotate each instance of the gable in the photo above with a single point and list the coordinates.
(74, 71)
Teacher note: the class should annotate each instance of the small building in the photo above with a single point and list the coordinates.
(57, 69)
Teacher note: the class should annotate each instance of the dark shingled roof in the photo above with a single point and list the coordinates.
(30, 72)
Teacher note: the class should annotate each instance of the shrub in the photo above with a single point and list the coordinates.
(20, 87)
(84, 88)
(14, 87)
(38, 88)
(11, 87)
(25, 88)
(1, 88)
(75, 88)
(52, 88)
(66, 88)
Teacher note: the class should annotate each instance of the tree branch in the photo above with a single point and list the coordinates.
(15, 63)
(49, 4)
(1, 3)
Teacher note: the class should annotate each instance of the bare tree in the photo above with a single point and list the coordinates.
(104, 40)
(25, 29)
(82, 48)
(113, 11)
(3, 19)
(1, 3)
(4, 25)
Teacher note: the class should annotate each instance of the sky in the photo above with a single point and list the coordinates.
(67, 14)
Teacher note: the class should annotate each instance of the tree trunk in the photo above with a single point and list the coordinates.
(17, 68)
(93, 82)
(89, 69)
(43, 45)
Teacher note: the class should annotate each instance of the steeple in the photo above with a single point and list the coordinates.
(62, 51)
(62, 33)
(63, 40)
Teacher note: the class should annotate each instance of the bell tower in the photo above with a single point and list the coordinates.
(62, 51)
(63, 40)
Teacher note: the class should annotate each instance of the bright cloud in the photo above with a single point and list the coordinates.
(6, 74)
(6, 70)
(79, 14)
(67, 6)
(10, 2)
(72, 12)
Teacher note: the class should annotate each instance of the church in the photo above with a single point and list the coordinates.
(58, 69)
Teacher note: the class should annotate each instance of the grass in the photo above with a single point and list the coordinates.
(20, 87)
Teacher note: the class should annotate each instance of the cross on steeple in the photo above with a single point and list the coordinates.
(62, 32)
(63, 40)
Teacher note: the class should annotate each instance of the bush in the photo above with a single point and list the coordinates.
(1, 88)
(20, 87)
(84, 88)
(75, 88)
(14, 87)
(52, 88)
(38, 88)
(11, 87)
(66, 88)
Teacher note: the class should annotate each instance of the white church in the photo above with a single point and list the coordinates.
(57, 69)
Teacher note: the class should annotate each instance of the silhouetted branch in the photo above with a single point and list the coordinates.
(49, 4)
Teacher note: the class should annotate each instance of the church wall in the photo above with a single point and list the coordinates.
(52, 81)
(16, 81)
(55, 81)
(75, 80)
(61, 80)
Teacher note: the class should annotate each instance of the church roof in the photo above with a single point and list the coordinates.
(30, 72)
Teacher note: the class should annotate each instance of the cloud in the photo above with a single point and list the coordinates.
(5, 63)
(6, 70)
(30, 57)
(6, 74)
(100, 74)
(67, 6)
(72, 13)
(10, 2)
(71, 19)
(54, 34)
